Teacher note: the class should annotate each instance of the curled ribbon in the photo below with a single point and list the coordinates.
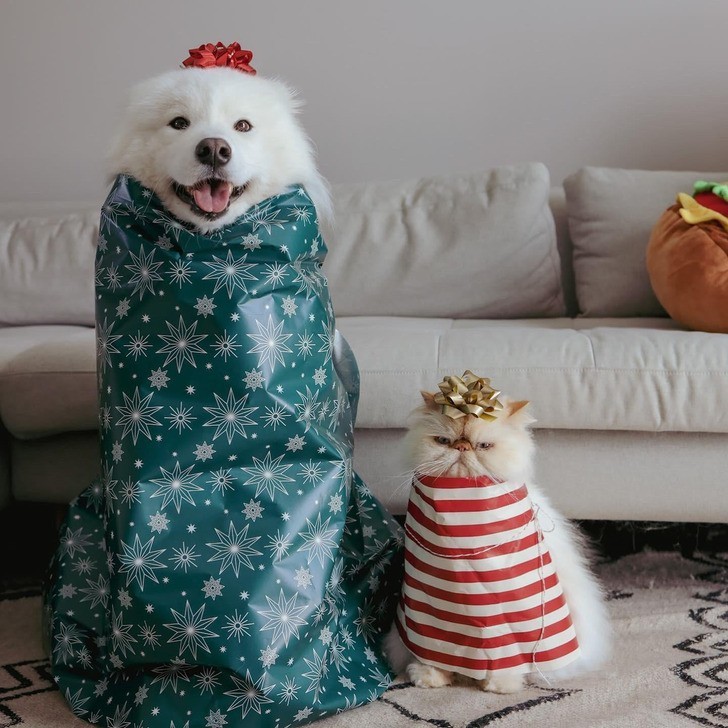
(209, 55)
(468, 395)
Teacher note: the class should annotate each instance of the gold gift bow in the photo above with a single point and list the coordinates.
(468, 395)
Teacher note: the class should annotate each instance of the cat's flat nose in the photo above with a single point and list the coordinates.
(462, 445)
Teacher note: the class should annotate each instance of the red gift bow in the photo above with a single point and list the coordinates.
(209, 55)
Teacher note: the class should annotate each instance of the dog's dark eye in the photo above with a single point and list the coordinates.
(484, 445)
(243, 125)
(179, 122)
(443, 440)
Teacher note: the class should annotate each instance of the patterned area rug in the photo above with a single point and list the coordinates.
(670, 666)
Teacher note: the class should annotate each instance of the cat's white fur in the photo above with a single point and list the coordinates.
(509, 457)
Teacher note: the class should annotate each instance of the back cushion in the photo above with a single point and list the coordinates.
(611, 214)
(47, 265)
(470, 246)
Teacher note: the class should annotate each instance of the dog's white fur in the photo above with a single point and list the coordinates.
(273, 155)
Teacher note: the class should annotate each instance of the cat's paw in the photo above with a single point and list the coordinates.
(426, 676)
(502, 684)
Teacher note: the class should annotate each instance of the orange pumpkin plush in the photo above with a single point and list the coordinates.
(687, 258)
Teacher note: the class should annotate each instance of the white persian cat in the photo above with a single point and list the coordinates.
(503, 450)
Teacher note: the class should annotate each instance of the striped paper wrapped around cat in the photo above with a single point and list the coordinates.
(497, 583)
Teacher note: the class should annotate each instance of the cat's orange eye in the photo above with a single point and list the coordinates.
(443, 440)
(484, 445)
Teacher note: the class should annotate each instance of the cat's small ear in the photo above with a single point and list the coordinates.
(516, 412)
(429, 400)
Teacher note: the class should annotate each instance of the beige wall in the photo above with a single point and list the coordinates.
(395, 88)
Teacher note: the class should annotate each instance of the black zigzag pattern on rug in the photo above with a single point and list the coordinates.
(708, 671)
(552, 695)
(20, 680)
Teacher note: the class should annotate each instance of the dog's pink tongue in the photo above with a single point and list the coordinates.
(212, 196)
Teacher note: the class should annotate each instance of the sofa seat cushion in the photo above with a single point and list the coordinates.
(47, 380)
(599, 374)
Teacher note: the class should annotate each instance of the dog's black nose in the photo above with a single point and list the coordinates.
(213, 151)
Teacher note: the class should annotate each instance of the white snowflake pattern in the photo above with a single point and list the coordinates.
(144, 272)
(230, 417)
(97, 592)
(249, 694)
(221, 480)
(205, 306)
(123, 308)
(176, 486)
(284, 617)
(215, 719)
(207, 680)
(191, 630)
(305, 344)
(238, 625)
(307, 407)
(140, 561)
(295, 443)
(254, 380)
(268, 657)
(158, 522)
(311, 472)
(184, 557)
(289, 306)
(213, 588)
(105, 341)
(270, 344)
(234, 549)
(274, 416)
(278, 545)
(303, 578)
(181, 418)
(229, 273)
(130, 491)
(264, 215)
(158, 378)
(180, 273)
(121, 636)
(204, 452)
(318, 541)
(268, 475)
(289, 690)
(138, 345)
(253, 510)
(137, 415)
(181, 344)
(117, 452)
(275, 274)
(225, 346)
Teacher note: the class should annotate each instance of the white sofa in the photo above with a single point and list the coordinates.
(431, 277)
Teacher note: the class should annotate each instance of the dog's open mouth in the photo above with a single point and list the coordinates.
(209, 197)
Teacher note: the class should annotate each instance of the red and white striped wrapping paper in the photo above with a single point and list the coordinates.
(480, 592)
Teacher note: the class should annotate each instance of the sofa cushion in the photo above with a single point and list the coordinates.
(475, 246)
(48, 257)
(47, 380)
(601, 374)
(611, 214)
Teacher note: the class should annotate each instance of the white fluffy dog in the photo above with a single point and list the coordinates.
(212, 142)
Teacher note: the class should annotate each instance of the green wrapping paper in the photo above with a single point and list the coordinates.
(228, 567)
